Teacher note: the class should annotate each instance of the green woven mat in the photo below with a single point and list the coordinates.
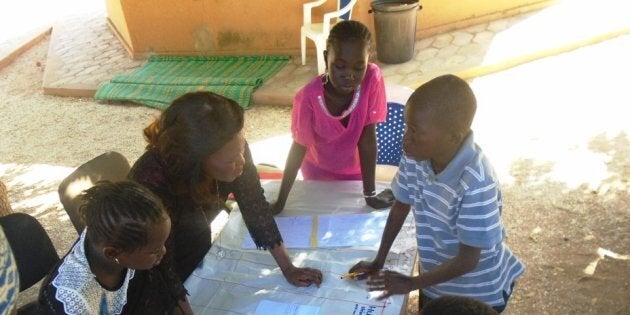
(164, 78)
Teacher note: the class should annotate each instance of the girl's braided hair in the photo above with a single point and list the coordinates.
(120, 214)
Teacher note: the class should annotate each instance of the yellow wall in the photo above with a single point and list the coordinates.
(118, 23)
(220, 27)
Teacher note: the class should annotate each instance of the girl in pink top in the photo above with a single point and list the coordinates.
(334, 117)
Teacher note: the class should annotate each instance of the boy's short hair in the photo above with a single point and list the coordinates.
(456, 305)
(449, 99)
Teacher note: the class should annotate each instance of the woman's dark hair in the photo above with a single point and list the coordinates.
(347, 31)
(193, 127)
(120, 214)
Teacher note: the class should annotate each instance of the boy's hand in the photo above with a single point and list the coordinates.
(382, 200)
(390, 282)
(365, 267)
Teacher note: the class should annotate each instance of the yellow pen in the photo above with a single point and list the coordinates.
(352, 275)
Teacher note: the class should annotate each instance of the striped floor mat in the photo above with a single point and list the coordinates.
(164, 78)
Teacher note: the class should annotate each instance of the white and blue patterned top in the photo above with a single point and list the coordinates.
(9, 278)
(75, 287)
(461, 204)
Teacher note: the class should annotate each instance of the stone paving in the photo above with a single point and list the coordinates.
(84, 52)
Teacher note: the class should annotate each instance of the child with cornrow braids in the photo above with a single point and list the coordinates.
(334, 117)
(126, 229)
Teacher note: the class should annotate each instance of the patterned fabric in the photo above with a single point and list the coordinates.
(9, 278)
(389, 135)
(76, 290)
(190, 237)
(164, 78)
(461, 204)
(332, 151)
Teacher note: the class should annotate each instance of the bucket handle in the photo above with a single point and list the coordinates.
(370, 11)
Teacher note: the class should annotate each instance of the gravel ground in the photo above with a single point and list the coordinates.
(556, 129)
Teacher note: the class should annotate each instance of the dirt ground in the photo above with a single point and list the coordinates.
(556, 129)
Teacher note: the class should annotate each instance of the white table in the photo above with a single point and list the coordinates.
(231, 280)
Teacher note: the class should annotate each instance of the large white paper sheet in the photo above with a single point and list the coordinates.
(233, 281)
(330, 231)
(296, 229)
(267, 307)
(351, 230)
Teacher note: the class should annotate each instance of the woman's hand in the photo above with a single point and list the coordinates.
(390, 282)
(382, 200)
(303, 277)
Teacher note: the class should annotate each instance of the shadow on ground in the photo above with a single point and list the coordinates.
(574, 241)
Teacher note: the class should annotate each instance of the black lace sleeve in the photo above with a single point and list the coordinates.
(251, 201)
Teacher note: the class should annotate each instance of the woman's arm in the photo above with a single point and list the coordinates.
(294, 161)
(301, 277)
(250, 197)
(367, 157)
(262, 226)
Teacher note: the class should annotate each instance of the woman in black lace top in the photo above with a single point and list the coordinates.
(196, 155)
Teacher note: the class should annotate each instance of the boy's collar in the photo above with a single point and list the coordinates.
(455, 167)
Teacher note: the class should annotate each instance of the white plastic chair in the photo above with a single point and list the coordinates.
(318, 32)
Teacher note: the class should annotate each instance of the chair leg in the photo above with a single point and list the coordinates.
(321, 66)
(303, 46)
(5, 205)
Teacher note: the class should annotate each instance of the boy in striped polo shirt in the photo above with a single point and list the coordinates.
(456, 200)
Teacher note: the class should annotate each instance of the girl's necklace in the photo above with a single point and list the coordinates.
(345, 113)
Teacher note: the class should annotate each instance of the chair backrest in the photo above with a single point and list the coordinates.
(389, 133)
(342, 4)
(111, 166)
(343, 11)
(34, 253)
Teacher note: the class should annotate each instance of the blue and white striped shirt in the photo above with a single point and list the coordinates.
(461, 204)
